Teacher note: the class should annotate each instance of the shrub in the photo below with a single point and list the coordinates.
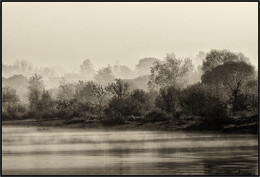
(67, 108)
(16, 111)
(200, 100)
(156, 116)
(120, 108)
(169, 100)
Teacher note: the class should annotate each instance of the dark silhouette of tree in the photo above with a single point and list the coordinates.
(232, 76)
(219, 57)
(168, 100)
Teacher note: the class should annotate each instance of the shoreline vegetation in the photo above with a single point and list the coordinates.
(246, 125)
(224, 99)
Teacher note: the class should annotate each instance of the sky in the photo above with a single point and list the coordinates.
(65, 33)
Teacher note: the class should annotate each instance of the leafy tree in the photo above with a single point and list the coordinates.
(11, 105)
(233, 77)
(9, 98)
(202, 100)
(169, 72)
(104, 76)
(68, 108)
(219, 57)
(84, 92)
(66, 91)
(144, 66)
(87, 68)
(169, 100)
(47, 105)
(139, 95)
(119, 88)
(35, 88)
(99, 92)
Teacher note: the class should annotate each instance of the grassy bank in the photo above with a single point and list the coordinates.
(231, 125)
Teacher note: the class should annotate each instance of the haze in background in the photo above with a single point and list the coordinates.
(64, 34)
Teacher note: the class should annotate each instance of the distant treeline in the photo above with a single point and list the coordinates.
(228, 87)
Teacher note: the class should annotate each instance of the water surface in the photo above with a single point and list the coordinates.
(30, 151)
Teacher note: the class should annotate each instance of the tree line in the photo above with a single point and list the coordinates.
(228, 87)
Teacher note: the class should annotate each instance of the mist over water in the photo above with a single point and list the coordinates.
(29, 150)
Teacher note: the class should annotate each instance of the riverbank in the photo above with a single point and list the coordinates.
(231, 125)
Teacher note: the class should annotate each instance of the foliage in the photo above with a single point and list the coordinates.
(67, 108)
(119, 88)
(169, 100)
(201, 100)
(11, 106)
(99, 92)
(9, 96)
(144, 66)
(47, 106)
(219, 57)
(156, 116)
(66, 91)
(169, 72)
(35, 89)
(233, 77)
(104, 76)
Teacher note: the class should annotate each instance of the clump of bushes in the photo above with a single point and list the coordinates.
(201, 100)
(12, 108)
(168, 100)
(156, 116)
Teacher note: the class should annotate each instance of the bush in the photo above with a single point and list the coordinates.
(16, 111)
(156, 116)
(120, 108)
(67, 108)
(169, 100)
(200, 100)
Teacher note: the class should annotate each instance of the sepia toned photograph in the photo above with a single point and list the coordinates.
(130, 88)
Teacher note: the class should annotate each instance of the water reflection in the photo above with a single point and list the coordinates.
(27, 151)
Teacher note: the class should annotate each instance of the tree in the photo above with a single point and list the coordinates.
(122, 71)
(168, 100)
(119, 88)
(233, 77)
(66, 91)
(11, 105)
(9, 98)
(202, 100)
(46, 104)
(99, 92)
(84, 92)
(170, 72)
(104, 76)
(87, 67)
(144, 65)
(219, 57)
(36, 88)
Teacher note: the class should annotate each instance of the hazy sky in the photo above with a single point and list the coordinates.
(65, 33)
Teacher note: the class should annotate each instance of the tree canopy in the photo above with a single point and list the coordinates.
(219, 57)
(169, 72)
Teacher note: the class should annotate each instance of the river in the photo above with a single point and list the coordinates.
(31, 151)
